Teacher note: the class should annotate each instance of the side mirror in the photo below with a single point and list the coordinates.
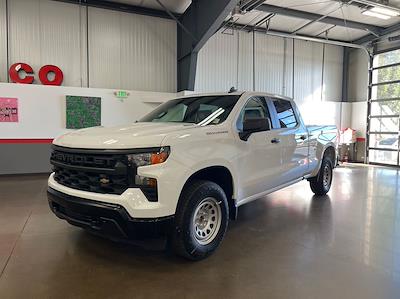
(254, 125)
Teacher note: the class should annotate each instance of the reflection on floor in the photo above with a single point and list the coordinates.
(287, 245)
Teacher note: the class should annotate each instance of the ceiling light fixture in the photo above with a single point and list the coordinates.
(371, 13)
(385, 11)
(381, 12)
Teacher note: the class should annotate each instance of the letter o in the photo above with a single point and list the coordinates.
(44, 72)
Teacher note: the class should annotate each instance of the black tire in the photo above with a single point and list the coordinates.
(186, 236)
(321, 184)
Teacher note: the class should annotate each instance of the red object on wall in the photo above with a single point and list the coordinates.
(25, 141)
(14, 73)
(46, 70)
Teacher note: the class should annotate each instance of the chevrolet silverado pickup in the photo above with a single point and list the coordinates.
(185, 168)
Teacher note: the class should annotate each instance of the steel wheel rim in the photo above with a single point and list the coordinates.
(327, 177)
(207, 219)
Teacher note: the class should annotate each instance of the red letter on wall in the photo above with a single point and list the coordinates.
(14, 73)
(44, 72)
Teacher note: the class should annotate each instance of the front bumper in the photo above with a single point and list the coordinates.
(110, 220)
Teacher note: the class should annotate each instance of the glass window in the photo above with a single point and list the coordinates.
(388, 141)
(386, 91)
(384, 157)
(384, 124)
(286, 115)
(385, 108)
(195, 110)
(387, 58)
(386, 74)
(256, 107)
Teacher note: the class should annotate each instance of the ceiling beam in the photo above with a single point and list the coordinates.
(317, 17)
(289, 35)
(371, 37)
(122, 7)
(202, 19)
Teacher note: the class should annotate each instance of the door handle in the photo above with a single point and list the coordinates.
(275, 140)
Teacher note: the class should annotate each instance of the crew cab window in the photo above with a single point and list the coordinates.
(256, 107)
(286, 115)
(203, 110)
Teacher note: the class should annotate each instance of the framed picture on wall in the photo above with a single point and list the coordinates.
(83, 112)
(8, 110)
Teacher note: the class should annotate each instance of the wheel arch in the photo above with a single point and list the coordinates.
(330, 152)
(220, 175)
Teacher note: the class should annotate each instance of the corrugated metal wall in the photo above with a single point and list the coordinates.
(269, 63)
(358, 76)
(217, 67)
(333, 73)
(307, 71)
(46, 32)
(126, 51)
(131, 51)
(269, 66)
(245, 61)
(3, 41)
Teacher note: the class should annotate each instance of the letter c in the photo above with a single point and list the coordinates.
(14, 73)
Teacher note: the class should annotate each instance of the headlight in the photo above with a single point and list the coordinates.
(150, 158)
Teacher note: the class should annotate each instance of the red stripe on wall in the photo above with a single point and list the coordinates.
(25, 141)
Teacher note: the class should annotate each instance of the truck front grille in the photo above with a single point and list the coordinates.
(91, 170)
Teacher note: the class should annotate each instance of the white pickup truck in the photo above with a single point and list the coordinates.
(185, 168)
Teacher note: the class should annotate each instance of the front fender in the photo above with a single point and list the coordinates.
(217, 163)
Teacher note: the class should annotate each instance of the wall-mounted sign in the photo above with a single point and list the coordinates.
(8, 110)
(121, 94)
(23, 73)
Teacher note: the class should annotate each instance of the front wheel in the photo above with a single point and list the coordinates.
(321, 184)
(200, 222)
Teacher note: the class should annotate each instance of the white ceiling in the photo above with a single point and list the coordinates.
(289, 24)
(322, 7)
(349, 12)
(176, 6)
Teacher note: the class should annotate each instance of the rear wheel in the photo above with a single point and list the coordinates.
(200, 222)
(321, 184)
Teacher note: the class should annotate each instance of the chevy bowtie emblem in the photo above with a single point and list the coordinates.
(104, 181)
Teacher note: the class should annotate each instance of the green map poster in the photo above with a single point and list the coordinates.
(83, 112)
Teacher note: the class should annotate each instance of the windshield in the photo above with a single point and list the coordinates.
(202, 110)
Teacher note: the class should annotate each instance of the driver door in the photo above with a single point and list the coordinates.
(260, 161)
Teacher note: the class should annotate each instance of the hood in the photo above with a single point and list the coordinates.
(138, 135)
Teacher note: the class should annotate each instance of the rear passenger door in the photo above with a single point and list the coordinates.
(294, 139)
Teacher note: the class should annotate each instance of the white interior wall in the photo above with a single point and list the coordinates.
(359, 118)
(42, 108)
(126, 51)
